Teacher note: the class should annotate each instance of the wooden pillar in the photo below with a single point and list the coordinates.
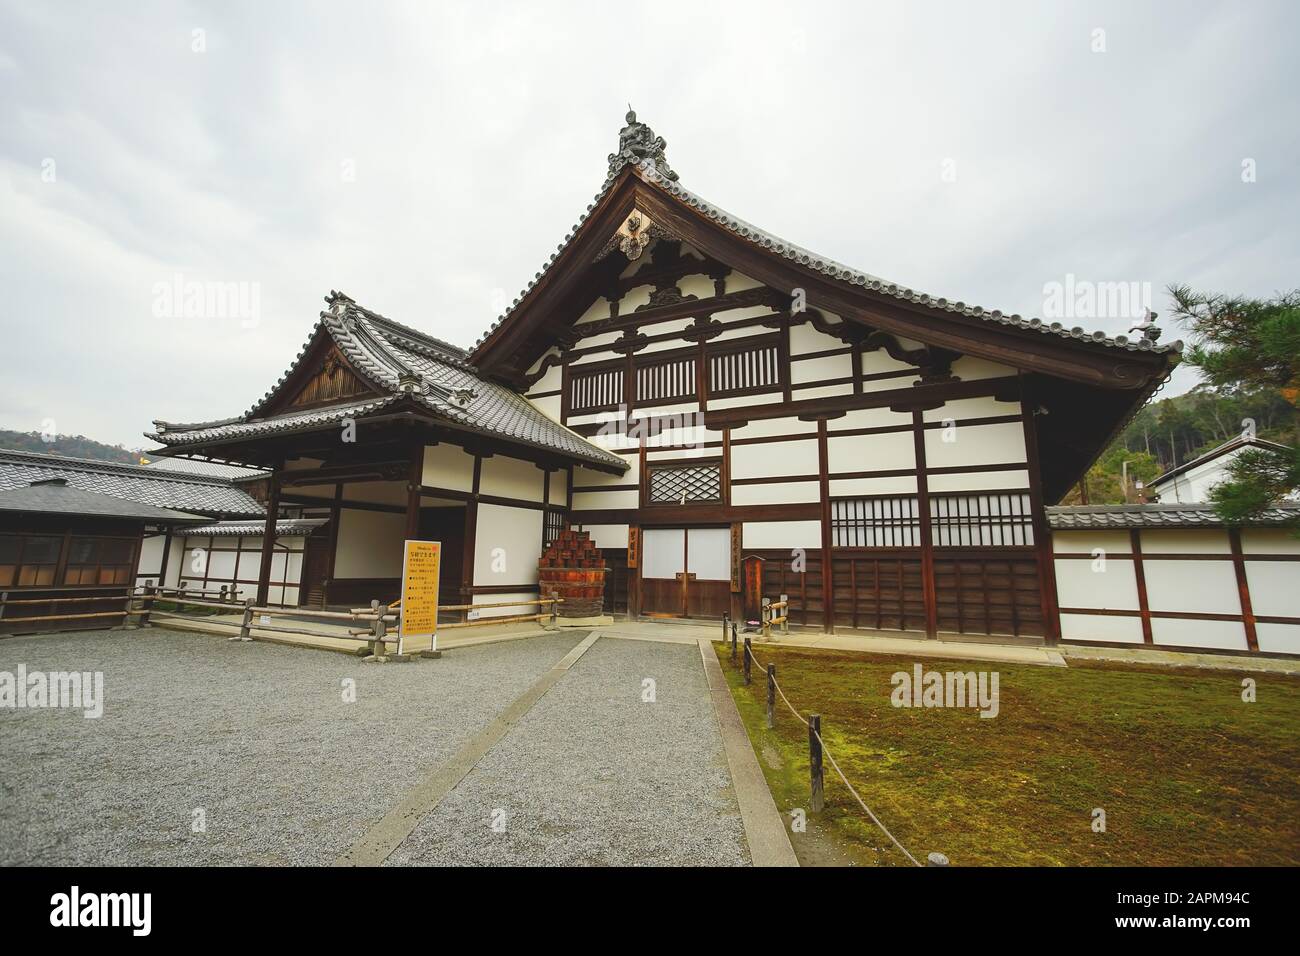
(268, 536)
(1243, 589)
(1140, 575)
(929, 593)
(1043, 550)
(166, 555)
(415, 475)
(828, 571)
(471, 530)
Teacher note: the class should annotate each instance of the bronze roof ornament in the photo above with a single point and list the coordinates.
(638, 144)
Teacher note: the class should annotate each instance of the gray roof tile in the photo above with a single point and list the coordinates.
(1103, 517)
(144, 484)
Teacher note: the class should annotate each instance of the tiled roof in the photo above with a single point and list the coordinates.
(55, 496)
(1102, 517)
(144, 484)
(284, 528)
(401, 363)
(212, 469)
(649, 172)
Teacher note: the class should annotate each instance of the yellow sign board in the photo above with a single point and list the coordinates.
(420, 564)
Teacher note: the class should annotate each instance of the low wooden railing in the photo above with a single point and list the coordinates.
(53, 596)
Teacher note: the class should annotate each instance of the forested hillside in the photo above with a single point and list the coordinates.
(74, 446)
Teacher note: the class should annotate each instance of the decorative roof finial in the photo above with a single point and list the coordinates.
(638, 144)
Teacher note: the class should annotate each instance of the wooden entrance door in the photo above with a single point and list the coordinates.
(315, 568)
(686, 572)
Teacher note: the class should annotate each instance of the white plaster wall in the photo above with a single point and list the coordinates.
(1090, 627)
(1083, 542)
(871, 418)
(448, 466)
(746, 401)
(550, 406)
(511, 478)
(369, 544)
(739, 283)
(1079, 585)
(151, 550)
(1274, 588)
(1185, 541)
(758, 535)
(819, 370)
(803, 393)
(771, 460)
(846, 487)
(980, 481)
(1269, 541)
(607, 535)
(771, 427)
(1223, 635)
(1207, 587)
(984, 406)
(590, 500)
(886, 452)
(509, 535)
(805, 338)
(1278, 638)
(969, 369)
(776, 493)
(975, 445)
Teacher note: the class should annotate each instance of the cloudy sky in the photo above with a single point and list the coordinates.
(426, 158)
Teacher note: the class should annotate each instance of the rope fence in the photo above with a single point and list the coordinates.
(816, 745)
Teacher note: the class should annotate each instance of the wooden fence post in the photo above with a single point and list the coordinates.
(146, 603)
(555, 608)
(246, 625)
(767, 619)
(726, 619)
(733, 642)
(785, 613)
(749, 658)
(815, 761)
(771, 696)
(377, 630)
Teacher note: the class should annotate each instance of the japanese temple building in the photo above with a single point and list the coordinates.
(693, 391)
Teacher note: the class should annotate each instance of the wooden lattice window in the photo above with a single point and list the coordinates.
(882, 522)
(683, 484)
(982, 519)
(745, 368)
(666, 379)
(600, 389)
(555, 523)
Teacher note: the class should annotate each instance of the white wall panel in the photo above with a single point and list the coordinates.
(845, 487)
(768, 460)
(1223, 635)
(781, 534)
(1274, 587)
(1204, 587)
(1278, 638)
(984, 406)
(607, 535)
(369, 544)
(980, 481)
(1083, 542)
(1186, 541)
(1095, 627)
(510, 478)
(887, 452)
(975, 445)
(507, 545)
(776, 493)
(1078, 585)
(591, 500)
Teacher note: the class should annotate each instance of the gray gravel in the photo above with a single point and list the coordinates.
(594, 776)
(256, 734)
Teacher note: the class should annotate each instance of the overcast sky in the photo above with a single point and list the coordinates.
(427, 158)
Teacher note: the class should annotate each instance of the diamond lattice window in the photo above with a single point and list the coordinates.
(684, 484)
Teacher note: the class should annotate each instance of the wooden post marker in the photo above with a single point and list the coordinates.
(815, 761)
(749, 659)
(771, 696)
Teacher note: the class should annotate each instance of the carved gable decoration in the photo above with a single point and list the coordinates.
(330, 381)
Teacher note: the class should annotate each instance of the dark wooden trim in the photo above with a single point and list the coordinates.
(1243, 588)
(672, 515)
(414, 478)
(1227, 652)
(315, 501)
(471, 528)
(827, 564)
(1162, 556)
(336, 516)
(268, 535)
(726, 466)
(929, 594)
(1139, 574)
(1042, 534)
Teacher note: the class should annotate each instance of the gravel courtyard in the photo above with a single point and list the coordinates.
(258, 743)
